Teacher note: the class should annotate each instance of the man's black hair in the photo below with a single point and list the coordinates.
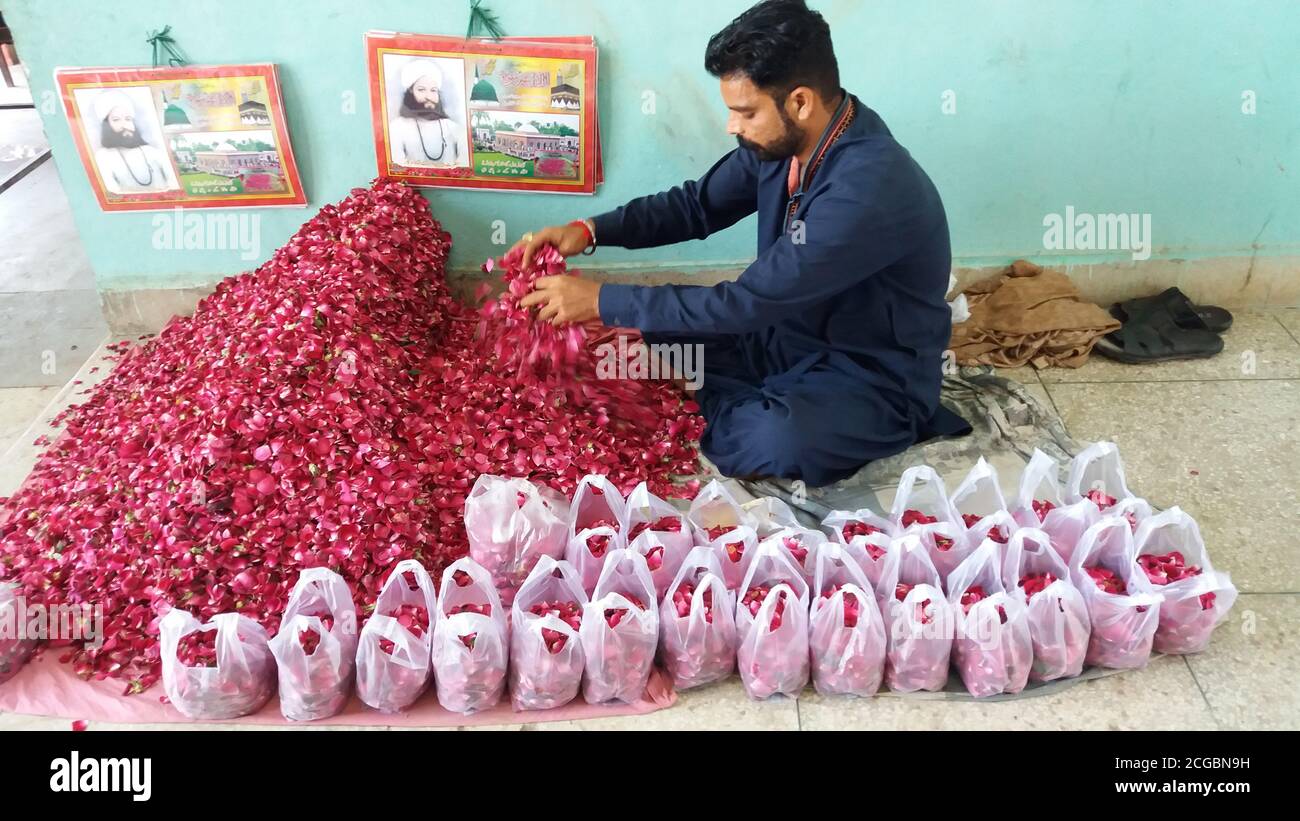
(779, 45)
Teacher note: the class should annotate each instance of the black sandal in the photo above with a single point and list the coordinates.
(1186, 314)
(1159, 335)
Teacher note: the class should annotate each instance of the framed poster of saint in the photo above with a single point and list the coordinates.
(193, 136)
(516, 114)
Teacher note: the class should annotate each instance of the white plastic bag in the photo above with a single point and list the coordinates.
(647, 513)
(697, 635)
(870, 542)
(240, 683)
(596, 503)
(321, 616)
(847, 638)
(979, 494)
(946, 544)
(921, 494)
(1097, 473)
(588, 549)
(394, 653)
(772, 624)
(1123, 624)
(918, 619)
(511, 523)
(1195, 604)
(1136, 510)
(715, 510)
(1041, 504)
(14, 649)
(1040, 490)
(847, 526)
(1058, 616)
(546, 657)
(993, 651)
(735, 550)
(768, 514)
(998, 526)
(802, 544)
(663, 559)
(471, 639)
(620, 631)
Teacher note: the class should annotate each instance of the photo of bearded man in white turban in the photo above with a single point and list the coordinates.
(127, 164)
(424, 133)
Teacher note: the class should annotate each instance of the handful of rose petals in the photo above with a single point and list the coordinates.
(236, 679)
(315, 651)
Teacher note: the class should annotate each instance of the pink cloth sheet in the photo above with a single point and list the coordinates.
(45, 687)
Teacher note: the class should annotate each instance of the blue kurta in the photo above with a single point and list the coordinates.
(826, 352)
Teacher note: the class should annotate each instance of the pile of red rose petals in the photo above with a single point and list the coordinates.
(613, 616)
(1100, 499)
(1107, 580)
(916, 517)
(570, 612)
(852, 607)
(683, 596)
(1172, 567)
(856, 528)
(1033, 583)
(331, 408)
(199, 649)
(717, 530)
(753, 602)
(1042, 507)
(665, 524)
(1162, 570)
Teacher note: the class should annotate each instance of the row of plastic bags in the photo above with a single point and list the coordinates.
(458, 638)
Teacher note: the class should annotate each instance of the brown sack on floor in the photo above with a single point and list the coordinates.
(1028, 315)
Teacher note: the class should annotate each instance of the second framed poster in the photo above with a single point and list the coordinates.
(515, 114)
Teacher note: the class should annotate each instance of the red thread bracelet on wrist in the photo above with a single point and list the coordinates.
(591, 238)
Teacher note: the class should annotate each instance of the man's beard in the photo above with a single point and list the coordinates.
(115, 139)
(784, 147)
(412, 108)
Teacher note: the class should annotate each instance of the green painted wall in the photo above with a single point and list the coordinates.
(1105, 105)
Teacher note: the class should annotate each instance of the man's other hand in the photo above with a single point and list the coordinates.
(564, 299)
(568, 240)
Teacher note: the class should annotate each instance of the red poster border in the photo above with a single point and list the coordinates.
(575, 48)
(68, 78)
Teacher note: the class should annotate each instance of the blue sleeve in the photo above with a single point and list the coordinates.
(727, 193)
(859, 224)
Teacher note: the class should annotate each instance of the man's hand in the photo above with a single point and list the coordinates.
(568, 240)
(564, 299)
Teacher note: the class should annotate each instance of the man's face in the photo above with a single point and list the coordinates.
(757, 122)
(122, 122)
(425, 92)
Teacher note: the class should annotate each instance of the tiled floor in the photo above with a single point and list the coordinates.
(1217, 437)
